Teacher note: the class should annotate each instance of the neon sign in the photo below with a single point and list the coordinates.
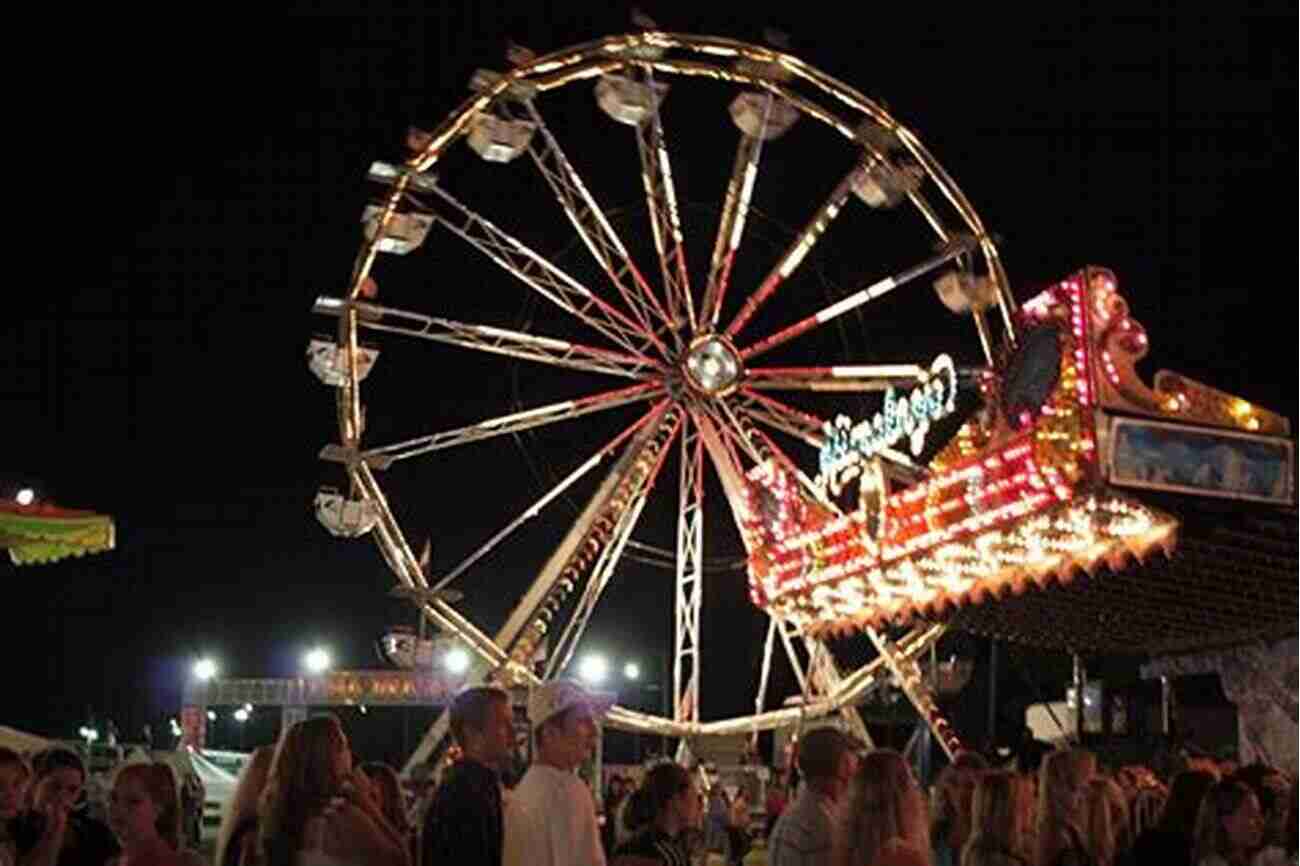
(907, 416)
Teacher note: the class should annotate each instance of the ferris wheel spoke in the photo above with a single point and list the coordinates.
(489, 338)
(512, 423)
(690, 577)
(595, 229)
(726, 462)
(536, 508)
(735, 211)
(849, 377)
(952, 250)
(665, 221)
(540, 275)
(604, 569)
(792, 257)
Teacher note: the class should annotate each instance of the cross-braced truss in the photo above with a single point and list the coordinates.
(712, 401)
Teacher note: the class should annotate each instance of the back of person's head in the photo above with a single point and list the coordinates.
(884, 803)
(392, 802)
(1210, 837)
(469, 709)
(304, 776)
(820, 753)
(661, 785)
(1256, 776)
(1106, 822)
(56, 758)
(242, 805)
(1186, 791)
(158, 782)
(998, 817)
(1061, 778)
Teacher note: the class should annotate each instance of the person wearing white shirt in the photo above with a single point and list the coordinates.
(550, 819)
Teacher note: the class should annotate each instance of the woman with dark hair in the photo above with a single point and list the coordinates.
(950, 806)
(999, 826)
(1170, 840)
(1229, 826)
(49, 833)
(884, 821)
(659, 815)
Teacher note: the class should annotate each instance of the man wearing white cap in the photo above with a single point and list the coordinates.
(550, 819)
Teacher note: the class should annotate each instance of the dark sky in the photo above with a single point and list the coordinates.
(205, 184)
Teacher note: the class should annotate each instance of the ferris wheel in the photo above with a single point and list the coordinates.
(689, 341)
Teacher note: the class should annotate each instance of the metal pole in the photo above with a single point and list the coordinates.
(993, 693)
(1080, 683)
(1166, 696)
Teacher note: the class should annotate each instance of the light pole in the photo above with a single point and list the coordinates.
(241, 715)
(205, 669)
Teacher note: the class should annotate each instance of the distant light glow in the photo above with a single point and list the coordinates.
(205, 669)
(317, 661)
(241, 715)
(26, 496)
(594, 669)
(456, 661)
(632, 671)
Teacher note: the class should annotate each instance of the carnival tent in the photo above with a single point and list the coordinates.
(43, 533)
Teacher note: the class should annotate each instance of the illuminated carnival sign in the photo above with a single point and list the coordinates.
(907, 416)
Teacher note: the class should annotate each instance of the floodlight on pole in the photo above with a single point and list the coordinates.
(26, 496)
(456, 661)
(632, 671)
(241, 715)
(205, 669)
(594, 669)
(317, 661)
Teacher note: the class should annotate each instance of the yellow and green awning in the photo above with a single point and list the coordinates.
(42, 533)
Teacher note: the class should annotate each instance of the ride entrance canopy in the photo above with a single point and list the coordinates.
(1027, 491)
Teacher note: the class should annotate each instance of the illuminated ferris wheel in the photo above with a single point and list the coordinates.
(689, 346)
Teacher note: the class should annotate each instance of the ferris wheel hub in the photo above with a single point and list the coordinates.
(712, 365)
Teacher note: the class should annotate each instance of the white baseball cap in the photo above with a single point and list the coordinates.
(552, 698)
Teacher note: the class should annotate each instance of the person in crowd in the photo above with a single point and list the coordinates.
(803, 835)
(1000, 818)
(49, 833)
(315, 810)
(885, 816)
(738, 839)
(615, 793)
(950, 806)
(715, 824)
(774, 806)
(1170, 840)
(1229, 826)
(1062, 784)
(237, 836)
(1106, 823)
(386, 788)
(144, 810)
(550, 819)
(659, 816)
(15, 775)
(1271, 788)
(463, 823)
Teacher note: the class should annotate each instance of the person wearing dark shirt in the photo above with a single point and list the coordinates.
(463, 824)
(659, 815)
(52, 833)
(1170, 840)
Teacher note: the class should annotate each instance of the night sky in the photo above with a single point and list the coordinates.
(205, 184)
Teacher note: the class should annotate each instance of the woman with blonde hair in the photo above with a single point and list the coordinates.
(884, 821)
(999, 822)
(237, 838)
(1106, 822)
(314, 812)
(1062, 781)
(950, 806)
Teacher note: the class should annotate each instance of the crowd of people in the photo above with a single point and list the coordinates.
(304, 802)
